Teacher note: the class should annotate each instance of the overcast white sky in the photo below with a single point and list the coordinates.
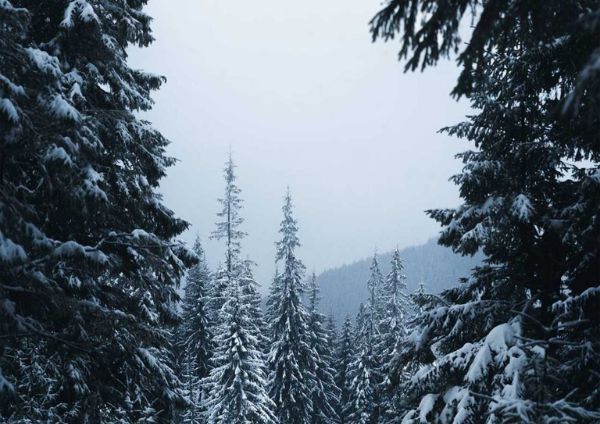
(303, 97)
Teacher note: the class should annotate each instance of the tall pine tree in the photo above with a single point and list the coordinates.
(291, 361)
(325, 394)
(88, 263)
(396, 310)
(343, 358)
(364, 373)
(236, 384)
(194, 339)
(228, 228)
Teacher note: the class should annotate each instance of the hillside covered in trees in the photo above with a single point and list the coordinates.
(435, 266)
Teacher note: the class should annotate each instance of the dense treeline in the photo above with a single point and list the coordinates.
(238, 366)
(90, 329)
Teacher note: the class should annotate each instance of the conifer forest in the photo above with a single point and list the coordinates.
(108, 314)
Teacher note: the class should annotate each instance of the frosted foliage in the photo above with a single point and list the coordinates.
(87, 306)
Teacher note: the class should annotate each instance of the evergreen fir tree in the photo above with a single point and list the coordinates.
(228, 228)
(291, 361)
(396, 309)
(364, 372)
(192, 387)
(88, 264)
(374, 305)
(194, 337)
(362, 379)
(343, 358)
(325, 394)
(517, 341)
(237, 383)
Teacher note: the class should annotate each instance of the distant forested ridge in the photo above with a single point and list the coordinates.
(343, 289)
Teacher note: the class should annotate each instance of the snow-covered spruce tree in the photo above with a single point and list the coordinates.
(363, 380)
(518, 341)
(396, 309)
(228, 228)
(325, 394)
(194, 339)
(375, 287)
(364, 372)
(236, 385)
(343, 358)
(291, 361)
(88, 263)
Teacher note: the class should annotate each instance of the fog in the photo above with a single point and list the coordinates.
(303, 98)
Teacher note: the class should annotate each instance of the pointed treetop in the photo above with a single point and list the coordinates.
(396, 275)
(228, 228)
(289, 229)
(197, 247)
(374, 282)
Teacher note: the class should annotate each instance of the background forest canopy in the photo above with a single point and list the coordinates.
(92, 328)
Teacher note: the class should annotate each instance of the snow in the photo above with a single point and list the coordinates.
(90, 184)
(9, 110)
(39, 238)
(71, 248)
(13, 88)
(451, 397)
(522, 208)
(62, 109)
(494, 349)
(140, 234)
(476, 234)
(5, 385)
(426, 406)
(59, 154)
(566, 304)
(44, 62)
(8, 307)
(6, 5)
(10, 251)
(480, 365)
(84, 10)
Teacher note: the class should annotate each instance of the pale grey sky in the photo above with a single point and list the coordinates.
(304, 99)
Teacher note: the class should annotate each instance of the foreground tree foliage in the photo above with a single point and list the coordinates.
(520, 340)
(88, 264)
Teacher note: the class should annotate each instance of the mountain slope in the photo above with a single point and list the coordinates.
(344, 288)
